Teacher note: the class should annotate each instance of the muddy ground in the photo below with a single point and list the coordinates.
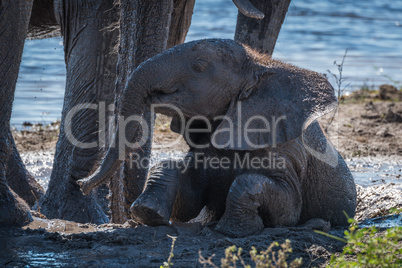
(61, 243)
(150, 246)
(360, 128)
(372, 128)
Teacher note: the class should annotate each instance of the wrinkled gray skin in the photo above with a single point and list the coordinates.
(15, 182)
(209, 79)
(91, 76)
(147, 28)
(261, 34)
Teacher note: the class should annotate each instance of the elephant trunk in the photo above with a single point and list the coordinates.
(131, 107)
(109, 165)
(248, 9)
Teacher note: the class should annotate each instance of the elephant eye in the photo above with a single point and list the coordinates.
(199, 65)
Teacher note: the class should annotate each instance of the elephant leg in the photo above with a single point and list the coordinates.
(181, 21)
(13, 210)
(14, 18)
(170, 193)
(144, 31)
(155, 205)
(91, 76)
(255, 201)
(19, 179)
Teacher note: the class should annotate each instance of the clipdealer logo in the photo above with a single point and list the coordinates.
(237, 136)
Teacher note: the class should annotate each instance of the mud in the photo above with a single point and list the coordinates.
(142, 246)
(369, 128)
(36, 137)
(62, 243)
(370, 144)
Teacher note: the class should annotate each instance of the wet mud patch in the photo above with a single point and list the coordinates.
(62, 243)
(144, 246)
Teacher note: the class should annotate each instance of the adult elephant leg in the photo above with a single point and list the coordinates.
(255, 201)
(91, 66)
(13, 210)
(19, 179)
(144, 29)
(14, 18)
(262, 34)
(181, 21)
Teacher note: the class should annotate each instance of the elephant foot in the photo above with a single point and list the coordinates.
(155, 205)
(20, 181)
(234, 226)
(241, 217)
(68, 203)
(147, 212)
(13, 210)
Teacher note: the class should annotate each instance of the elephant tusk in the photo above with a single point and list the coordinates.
(248, 9)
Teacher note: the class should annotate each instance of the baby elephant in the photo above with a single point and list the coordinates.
(257, 157)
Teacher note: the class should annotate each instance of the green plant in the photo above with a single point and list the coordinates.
(367, 247)
(395, 211)
(339, 79)
(263, 259)
(169, 263)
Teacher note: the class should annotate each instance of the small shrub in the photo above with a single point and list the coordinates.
(263, 259)
(339, 79)
(366, 247)
(169, 263)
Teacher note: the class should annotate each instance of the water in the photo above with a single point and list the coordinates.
(40, 87)
(314, 35)
(366, 171)
(369, 171)
(40, 163)
(388, 221)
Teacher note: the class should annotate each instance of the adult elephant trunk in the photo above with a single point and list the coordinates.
(261, 34)
(248, 9)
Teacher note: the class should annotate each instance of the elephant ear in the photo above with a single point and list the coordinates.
(274, 109)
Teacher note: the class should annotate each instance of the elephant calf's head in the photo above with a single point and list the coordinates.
(200, 78)
(250, 100)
